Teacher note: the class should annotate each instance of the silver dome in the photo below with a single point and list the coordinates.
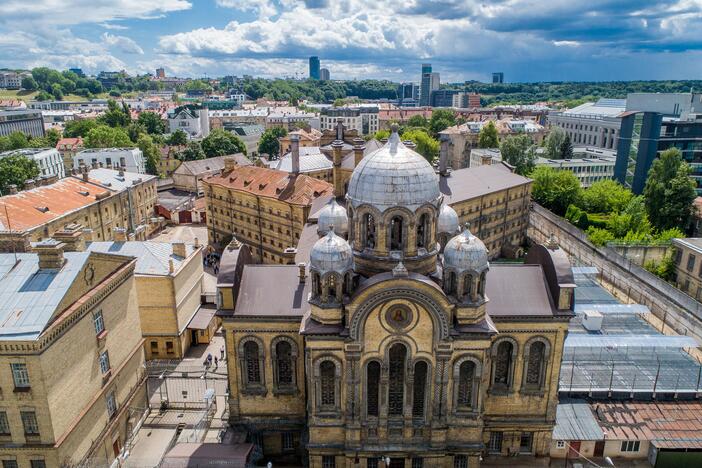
(334, 215)
(394, 175)
(331, 253)
(448, 220)
(465, 252)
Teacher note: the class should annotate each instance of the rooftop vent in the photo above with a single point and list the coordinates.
(43, 209)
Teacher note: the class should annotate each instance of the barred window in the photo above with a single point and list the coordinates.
(38, 464)
(503, 363)
(327, 369)
(396, 382)
(372, 463)
(288, 441)
(466, 373)
(10, 464)
(417, 462)
(283, 352)
(111, 404)
(535, 363)
(419, 391)
(460, 461)
(253, 369)
(372, 387)
(328, 461)
(495, 444)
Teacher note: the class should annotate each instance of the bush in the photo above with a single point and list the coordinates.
(577, 217)
(598, 236)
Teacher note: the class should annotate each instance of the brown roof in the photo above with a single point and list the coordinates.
(518, 290)
(193, 455)
(272, 291)
(669, 424)
(31, 208)
(71, 143)
(464, 184)
(271, 183)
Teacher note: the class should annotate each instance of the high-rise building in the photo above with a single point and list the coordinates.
(324, 74)
(160, 73)
(498, 77)
(407, 94)
(314, 68)
(430, 82)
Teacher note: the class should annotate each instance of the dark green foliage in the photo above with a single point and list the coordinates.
(488, 137)
(269, 144)
(15, 169)
(79, 128)
(178, 138)
(192, 152)
(519, 151)
(221, 142)
(152, 122)
(566, 150)
(669, 191)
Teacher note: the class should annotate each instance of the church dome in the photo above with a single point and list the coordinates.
(334, 215)
(465, 252)
(394, 175)
(448, 220)
(331, 253)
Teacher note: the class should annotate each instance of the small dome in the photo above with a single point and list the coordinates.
(331, 253)
(465, 252)
(334, 215)
(394, 175)
(448, 220)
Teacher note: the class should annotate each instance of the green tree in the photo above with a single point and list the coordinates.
(606, 196)
(221, 142)
(426, 145)
(115, 116)
(555, 190)
(103, 136)
(135, 130)
(192, 152)
(382, 134)
(151, 153)
(669, 191)
(44, 96)
(566, 148)
(441, 119)
(29, 83)
(553, 142)
(15, 169)
(178, 138)
(418, 121)
(52, 137)
(57, 91)
(152, 122)
(599, 236)
(269, 144)
(15, 140)
(488, 138)
(520, 152)
(79, 128)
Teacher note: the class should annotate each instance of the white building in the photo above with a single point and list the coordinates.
(12, 80)
(587, 170)
(49, 160)
(363, 119)
(193, 121)
(593, 123)
(131, 159)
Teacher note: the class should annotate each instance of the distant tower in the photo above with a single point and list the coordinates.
(430, 82)
(324, 74)
(498, 77)
(314, 68)
(160, 73)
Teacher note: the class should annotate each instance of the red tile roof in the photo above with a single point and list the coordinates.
(69, 143)
(270, 183)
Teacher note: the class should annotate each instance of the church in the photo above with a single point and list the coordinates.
(394, 339)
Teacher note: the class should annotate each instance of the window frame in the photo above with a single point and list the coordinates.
(98, 319)
(630, 446)
(104, 362)
(30, 423)
(20, 375)
(111, 404)
(4, 424)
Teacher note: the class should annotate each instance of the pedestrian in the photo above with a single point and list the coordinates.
(209, 358)
(215, 362)
(221, 353)
(216, 269)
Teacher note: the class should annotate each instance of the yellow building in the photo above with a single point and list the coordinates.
(168, 162)
(71, 357)
(264, 208)
(688, 266)
(388, 343)
(306, 138)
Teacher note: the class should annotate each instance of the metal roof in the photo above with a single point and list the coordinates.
(272, 290)
(575, 421)
(617, 309)
(311, 160)
(472, 182)
(582, 340)
(116, 181)
(152, 257)
(517, 290)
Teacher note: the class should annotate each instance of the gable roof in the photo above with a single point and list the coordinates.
(202, 166)
(471, 182)
(272, 290)
(518, 290)
(152, 257)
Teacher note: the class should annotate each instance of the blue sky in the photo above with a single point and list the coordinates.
(529, 40)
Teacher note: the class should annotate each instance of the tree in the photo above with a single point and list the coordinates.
(152, 122)
(192, 152)
(441, 119)
(29, 83)
(382, 135)
(553, 142)
(221, 142)
(134, 130)
(554, 189)
(269, 144)
(426, 145)
(15, 140)
(418, 121)
(178, 138)
(669, 191)
(519, 151)
(14, 170)
(566, 148)
(103, 136)
(115, 116)
(488, 138)
(151, 153)
(79, 128)
(606, 196)
(57, 91)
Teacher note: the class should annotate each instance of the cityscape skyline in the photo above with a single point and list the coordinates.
(558, 42)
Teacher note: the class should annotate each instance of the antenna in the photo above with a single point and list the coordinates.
(9, 225)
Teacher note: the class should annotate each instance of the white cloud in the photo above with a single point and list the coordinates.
(122, 43)
(113, 26)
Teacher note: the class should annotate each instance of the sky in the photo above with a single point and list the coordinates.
(528, 40)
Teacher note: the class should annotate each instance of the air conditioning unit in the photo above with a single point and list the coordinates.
(592, 320)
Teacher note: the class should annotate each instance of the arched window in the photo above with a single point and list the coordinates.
(466, 374)
(451, 280)
(327, 371)
(420, 389)
(284, 360)
(396, 234)
(423, 231)
(368, 231)
(502, 365)
(396, 382)
(316, 284)
(372, 388)
(535, 364)
(481, 285)
(467, 286)
(331, 287)
(251, 365)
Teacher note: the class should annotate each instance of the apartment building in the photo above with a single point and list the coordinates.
(364, 119)
(71, 357)
(130, 159)
(193, 120)
(49, 160)
(12, 80)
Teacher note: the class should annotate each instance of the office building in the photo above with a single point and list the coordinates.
(465, 100)
(430, 82)
(160, 73)
(498, 77)
(407, 95)
(587, 170)
(29, 122)
(49, 160)
(129, 159)
(324, 74)
(363, 119)
(443, 97)
(12, 80)
(314, 68)
(593, 123)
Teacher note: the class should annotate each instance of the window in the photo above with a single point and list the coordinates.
(525, 442)
(38, 464)
(98, 322)
(327, 371)
(29, 421)
(111, 404)
(368, 228)
(535, 364)
(170, 349)
(396, 381)
(328, 461)
(495, 443)
(104, 362)
(420, 388)
(20, 375)
(9, 464)
(396, 233)
(284, 363)
(372, 387)
(423, 230)
(253, 368)
(560, 444)
(460, 461)
(503, 365)
(630, 446)
(417, 463)
(690, 262)
(466, 375)
(288, 441)
(4, 424)
(372, 463)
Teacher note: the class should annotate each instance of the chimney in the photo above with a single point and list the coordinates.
(72, 237)
(302, 267)
(119, 234)
(337, 146)
(51, 179)
(50, 253)
(29, 184)
(88, 234)
(121, 172)
(197, 242)
(13, 189)
(295, 153)
(179, 249)
(229, 164)
(94, 165)
(171, 267)
(84, 173)
(289, 255)
(100, 165)
(358, 149)
(443, 154)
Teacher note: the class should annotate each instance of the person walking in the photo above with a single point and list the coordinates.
(221, 353)
(215, 362)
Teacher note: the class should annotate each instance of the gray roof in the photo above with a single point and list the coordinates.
(575, 421)
(152, 257)
(464, 184)
(202, 166)
(272, 291)
(174, 198)
(29, 296)
(311, 160)
(518, 290)
(112, 178)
